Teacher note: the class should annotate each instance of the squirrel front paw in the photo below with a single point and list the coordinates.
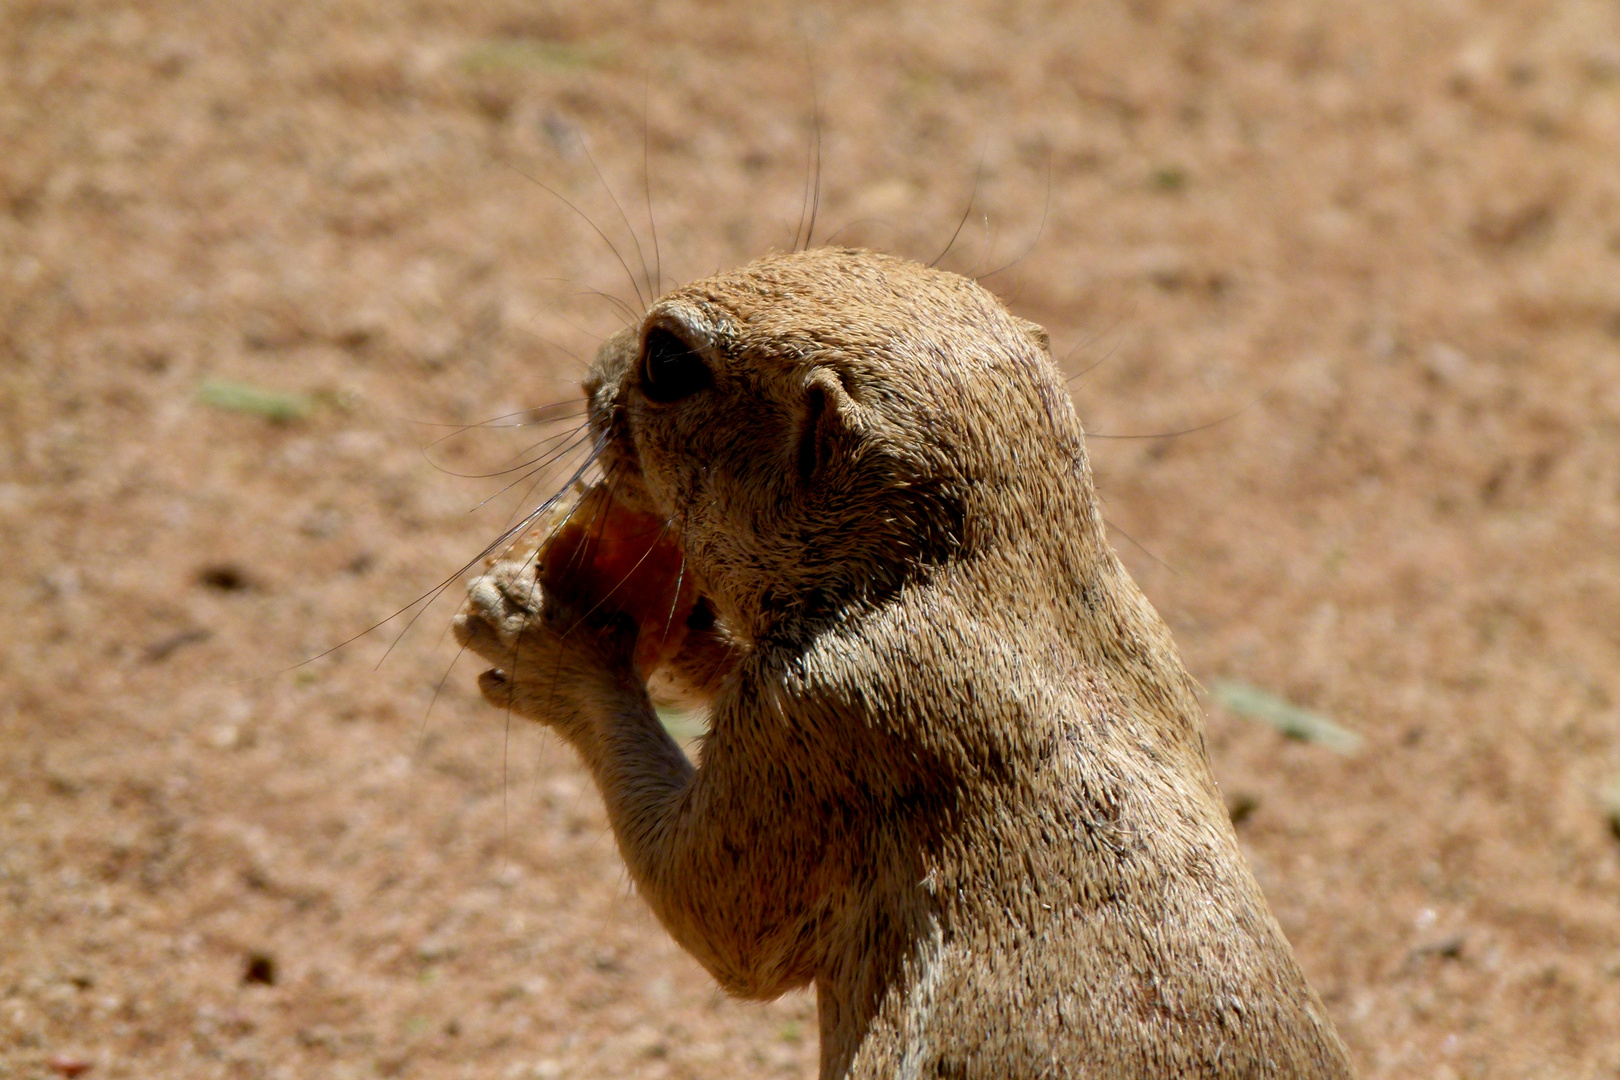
(501, 605)
(543, 648)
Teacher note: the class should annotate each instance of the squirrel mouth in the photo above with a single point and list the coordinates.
(607, 557)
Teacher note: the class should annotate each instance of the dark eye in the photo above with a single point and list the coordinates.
(671, 369)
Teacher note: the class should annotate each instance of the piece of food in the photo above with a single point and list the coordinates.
(609, 557)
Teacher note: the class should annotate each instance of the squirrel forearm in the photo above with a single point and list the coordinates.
(698, 863)
(642, 775)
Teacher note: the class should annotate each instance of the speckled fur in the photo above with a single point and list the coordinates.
(956, 774)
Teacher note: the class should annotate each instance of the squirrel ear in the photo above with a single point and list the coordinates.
(1036, 333)
(823, 423)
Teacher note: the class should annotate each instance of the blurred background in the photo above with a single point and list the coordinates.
(256, 259)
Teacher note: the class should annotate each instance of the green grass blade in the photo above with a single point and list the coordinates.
(1285, 716)
(247, 398)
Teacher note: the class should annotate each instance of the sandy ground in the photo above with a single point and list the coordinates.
(1386, 235)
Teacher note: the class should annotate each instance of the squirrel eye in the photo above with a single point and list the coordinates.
(671, 369)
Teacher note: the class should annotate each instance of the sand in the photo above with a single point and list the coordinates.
(251, 255)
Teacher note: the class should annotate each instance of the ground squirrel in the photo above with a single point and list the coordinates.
(955, 775)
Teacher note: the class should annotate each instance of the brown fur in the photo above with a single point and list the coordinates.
(956, 774)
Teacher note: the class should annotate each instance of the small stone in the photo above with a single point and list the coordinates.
(260, 968)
